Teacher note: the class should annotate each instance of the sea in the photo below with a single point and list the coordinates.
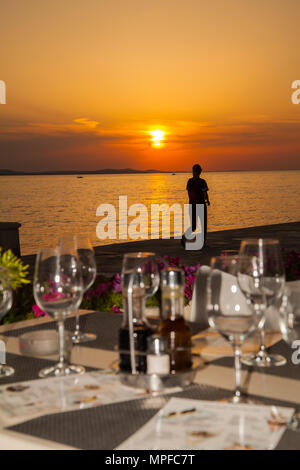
(51, 206)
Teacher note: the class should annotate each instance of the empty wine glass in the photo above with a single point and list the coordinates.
(6, 300)
(289, 321)
(58, 290)
(140, 279)
(146, 271)
(86, 256)
(289, 314)
(270, 283)
(229, 312)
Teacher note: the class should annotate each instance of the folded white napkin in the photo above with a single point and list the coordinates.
(229, 299)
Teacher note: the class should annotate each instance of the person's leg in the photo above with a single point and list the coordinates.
(205, 222)
(193, 221)
(194, 238)
(194, 217)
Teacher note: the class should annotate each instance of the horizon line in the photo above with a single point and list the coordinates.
(8, 172)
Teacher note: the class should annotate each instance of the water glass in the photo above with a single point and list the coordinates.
(6, 300)
(289, 317)
(229, 312)
(269, 285)
(140, 279)
(289, 321)
(58, 291)
(86, 256)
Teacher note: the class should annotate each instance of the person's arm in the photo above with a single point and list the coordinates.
(189, 189)
(205, 194)
(206, 198)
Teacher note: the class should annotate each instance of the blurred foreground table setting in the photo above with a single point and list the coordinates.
(122, 394)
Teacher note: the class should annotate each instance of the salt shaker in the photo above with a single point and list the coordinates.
(158, 359)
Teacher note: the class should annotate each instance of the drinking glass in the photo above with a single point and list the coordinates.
(140, 279)
(289, 321)
(229, 312)
(6, 300)
(143, 267)
(86, 256)
(270, 282)
(58, 291)
(289, 313)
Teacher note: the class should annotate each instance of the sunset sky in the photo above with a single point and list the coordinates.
(89, 81)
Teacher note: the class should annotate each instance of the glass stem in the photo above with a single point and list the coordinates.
(61, 339)
(237, 368)
(262, 348)
(77, 321)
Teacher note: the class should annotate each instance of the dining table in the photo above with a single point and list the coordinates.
(108, 425)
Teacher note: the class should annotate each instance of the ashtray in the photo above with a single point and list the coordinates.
(156, 382)
(39, 343)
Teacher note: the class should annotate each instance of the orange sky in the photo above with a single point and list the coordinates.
(87, 81)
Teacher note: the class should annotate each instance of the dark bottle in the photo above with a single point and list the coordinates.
(141, 331)
(173, 325)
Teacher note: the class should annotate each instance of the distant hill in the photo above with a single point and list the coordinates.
(10, 172)
(107, 171)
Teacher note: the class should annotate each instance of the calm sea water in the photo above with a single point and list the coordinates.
(49, 206)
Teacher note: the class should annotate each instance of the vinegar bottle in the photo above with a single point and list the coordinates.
(173, 325)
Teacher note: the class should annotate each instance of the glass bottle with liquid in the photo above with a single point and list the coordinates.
(173, 325)
(141, 328)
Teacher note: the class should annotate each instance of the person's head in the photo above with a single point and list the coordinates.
(197, 170)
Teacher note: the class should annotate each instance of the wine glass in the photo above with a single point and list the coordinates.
(86, 256)
(270, 283)
(229, 312)
(140, 279)
(6, 300)
(143, 266)
(289, 313)
(289, 321)
(58, 290)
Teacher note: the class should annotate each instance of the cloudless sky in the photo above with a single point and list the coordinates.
(88, 80)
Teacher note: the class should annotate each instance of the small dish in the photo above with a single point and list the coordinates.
(39, 343)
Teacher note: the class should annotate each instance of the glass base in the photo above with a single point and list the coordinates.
(262, 359)
(79, 337)
(239, 400)
(6, 371)
(61, 370)
(294, 423)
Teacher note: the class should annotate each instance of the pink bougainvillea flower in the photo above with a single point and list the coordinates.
(102, 288)
(188, 294)
(88, 294)
(117, 283)
(190, 279)
(116, 309)
(173, 261)
(38, 312)
(53, 296)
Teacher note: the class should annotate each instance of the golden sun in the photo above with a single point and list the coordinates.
(157, 137)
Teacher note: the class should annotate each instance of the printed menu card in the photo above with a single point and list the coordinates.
(193, 424)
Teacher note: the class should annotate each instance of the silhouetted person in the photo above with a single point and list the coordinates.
(197, 190)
